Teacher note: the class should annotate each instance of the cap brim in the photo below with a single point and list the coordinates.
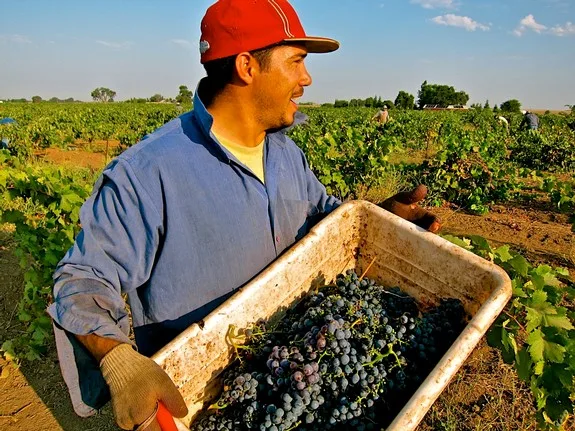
(316, 45)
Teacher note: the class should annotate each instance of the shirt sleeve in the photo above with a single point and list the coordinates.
(317, 193)
(112, 255)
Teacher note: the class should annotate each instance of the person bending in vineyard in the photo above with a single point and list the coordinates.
(530, 121)
(192, 212)
(382, 117)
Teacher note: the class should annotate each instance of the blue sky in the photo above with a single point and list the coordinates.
(492, 49)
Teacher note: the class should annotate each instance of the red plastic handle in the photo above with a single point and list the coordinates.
(165, 418)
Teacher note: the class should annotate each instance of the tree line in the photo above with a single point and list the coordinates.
(428, 94)
(107, 95)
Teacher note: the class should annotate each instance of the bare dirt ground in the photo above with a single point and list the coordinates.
(536, 230)
(484, 395)
(83, 154)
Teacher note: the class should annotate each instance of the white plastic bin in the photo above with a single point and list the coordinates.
(421, 263)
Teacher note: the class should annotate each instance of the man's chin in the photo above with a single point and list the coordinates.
(284, 123)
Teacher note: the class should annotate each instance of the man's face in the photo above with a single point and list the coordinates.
(277, 87)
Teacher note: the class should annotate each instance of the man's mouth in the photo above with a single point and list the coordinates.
(295, 99)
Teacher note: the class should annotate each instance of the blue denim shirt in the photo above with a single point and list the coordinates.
(177, 224)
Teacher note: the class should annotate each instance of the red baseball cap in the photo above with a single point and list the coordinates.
(233, 26)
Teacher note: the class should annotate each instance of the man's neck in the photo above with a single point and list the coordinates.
(236, 121)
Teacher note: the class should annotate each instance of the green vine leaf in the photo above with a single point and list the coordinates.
(540, 349)
(520, 264)
(523, 365)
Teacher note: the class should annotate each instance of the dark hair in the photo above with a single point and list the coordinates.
(220, 72)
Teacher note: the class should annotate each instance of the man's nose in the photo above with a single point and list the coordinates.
(306, 78)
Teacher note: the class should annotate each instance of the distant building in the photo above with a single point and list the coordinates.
(444, 108)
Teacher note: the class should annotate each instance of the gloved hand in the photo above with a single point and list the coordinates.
(136, 385)
(404, 205)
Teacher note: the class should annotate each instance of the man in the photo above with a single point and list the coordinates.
(381, 117)
(181, 220)
(530, 121)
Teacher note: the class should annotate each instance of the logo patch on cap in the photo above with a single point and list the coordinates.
(204, 46)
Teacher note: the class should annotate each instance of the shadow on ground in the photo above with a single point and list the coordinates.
(34, 396)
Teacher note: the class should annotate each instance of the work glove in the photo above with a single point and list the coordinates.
(136, 385)
(404, 205)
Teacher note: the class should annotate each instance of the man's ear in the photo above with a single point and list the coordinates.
(246, 67)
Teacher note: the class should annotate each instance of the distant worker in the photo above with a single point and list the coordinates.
(530, 121)
(381, 117)
(4, 141)
(502, 120)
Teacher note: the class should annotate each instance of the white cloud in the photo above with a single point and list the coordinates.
(564, 30)
(14, 38)
(115, 45)
(182, 42)
(459, 21)
(436, 4)
(528, 23)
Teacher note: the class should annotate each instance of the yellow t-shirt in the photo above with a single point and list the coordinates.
(252, 157)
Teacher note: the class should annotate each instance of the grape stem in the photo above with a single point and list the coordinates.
(387, 292)
(346, 264)
(322, 355)
(297, 424)
(381, 356)
(237, 347)
(516, 321)
(367, 269)
(216, 406)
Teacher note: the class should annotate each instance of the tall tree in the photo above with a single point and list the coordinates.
(512, 105)
(185, 95)
(404, 100)
(156, 98)
(341, 103)
(444, 95)
(388, 103)
(36, 99)
(103, 94)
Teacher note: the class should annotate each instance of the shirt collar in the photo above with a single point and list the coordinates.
(201, 113)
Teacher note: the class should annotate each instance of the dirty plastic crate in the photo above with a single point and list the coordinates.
(421, 263)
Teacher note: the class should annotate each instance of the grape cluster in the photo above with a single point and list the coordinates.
(242, 388)
(341, 355)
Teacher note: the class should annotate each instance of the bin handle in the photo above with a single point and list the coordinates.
(167, 421)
